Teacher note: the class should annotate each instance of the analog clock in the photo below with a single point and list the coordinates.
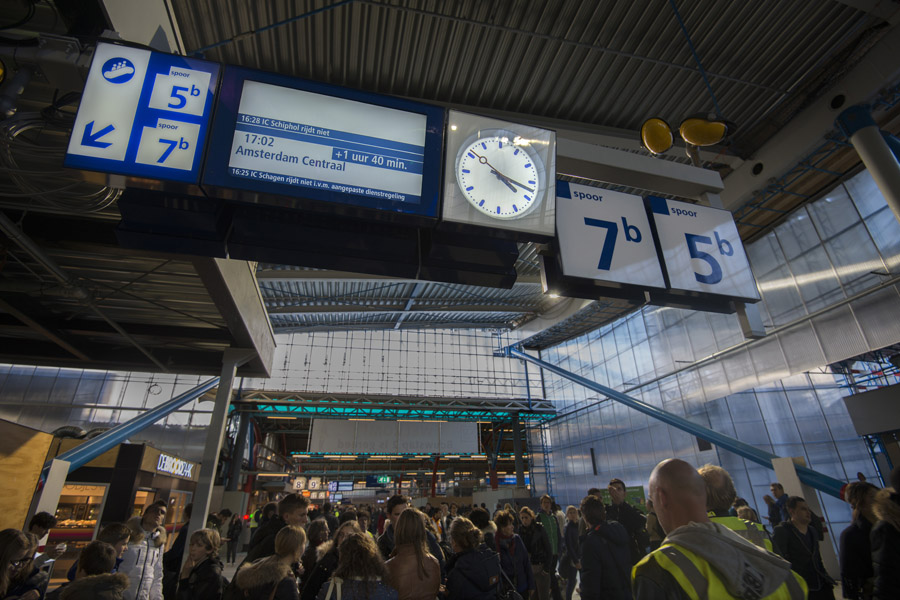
(500, 174)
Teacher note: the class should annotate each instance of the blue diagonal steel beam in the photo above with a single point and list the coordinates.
(86, 452)
(819, 481)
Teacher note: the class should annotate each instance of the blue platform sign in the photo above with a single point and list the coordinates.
(275, 135)
(143, 113)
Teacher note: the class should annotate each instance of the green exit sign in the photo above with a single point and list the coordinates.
(378, 480)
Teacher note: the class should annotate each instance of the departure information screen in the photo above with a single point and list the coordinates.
(298, 138)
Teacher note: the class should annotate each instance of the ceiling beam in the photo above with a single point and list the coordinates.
(481, 308)
(233, 287)
(442, 324)
(55, 337)
(325, 276)
(878, 70)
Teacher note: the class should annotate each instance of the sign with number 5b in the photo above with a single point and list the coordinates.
(701, 250)
(143, 113)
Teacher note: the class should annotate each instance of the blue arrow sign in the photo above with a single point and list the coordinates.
(91, 139)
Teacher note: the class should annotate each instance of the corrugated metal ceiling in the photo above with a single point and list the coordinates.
(608, 63)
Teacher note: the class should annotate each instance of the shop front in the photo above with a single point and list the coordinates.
(115, 487)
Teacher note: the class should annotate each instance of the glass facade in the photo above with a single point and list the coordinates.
(46, 398)
(826, 279)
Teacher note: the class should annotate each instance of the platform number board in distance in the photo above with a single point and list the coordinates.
(605, 235)
(143, 113)
(701, 250)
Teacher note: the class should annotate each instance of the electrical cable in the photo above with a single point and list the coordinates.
(25, 19)
(696, 58)
(32, 150)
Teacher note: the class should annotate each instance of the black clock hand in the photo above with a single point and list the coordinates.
(523, 186)
(483, 160)
(505, 180)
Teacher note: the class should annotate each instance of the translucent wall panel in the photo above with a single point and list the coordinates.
(47, 398)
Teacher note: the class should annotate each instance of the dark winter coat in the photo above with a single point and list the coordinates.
(886, 544)
(790, 545)
(36, 580)
(538, 545)
(325, 565)
(635, 524)
(573, 549)
(856, 558)
(258, 579)
(234, 530)
(172, 557)
(205, 582)
(356, 589)
(262, 544)
(606, 563)
(474, 575)
(515, 562)
(93, 587)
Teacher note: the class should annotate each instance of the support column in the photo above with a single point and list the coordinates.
(517, 450)
(47, 499)
(237, 457)
(786, 472)
(858, 125)
(231, 360)
(437, 459)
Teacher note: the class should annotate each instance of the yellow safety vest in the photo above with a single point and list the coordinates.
(750, 531)
(700, 581)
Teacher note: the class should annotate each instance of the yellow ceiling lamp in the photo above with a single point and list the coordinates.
(702, 131)
(656, 135)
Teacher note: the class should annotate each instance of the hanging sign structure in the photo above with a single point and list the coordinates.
(701, 250)
(605, 236)
(143, 113)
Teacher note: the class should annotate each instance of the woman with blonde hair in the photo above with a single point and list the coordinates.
(412, 570)
(201, 575)
(272, 578)
(360, 572)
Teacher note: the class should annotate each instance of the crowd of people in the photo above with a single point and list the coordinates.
(698, 540)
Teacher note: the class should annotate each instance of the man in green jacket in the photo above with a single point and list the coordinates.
(548, 521)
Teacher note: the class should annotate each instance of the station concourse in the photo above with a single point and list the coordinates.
(469, 252)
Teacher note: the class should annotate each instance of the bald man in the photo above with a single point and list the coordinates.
(702, 559)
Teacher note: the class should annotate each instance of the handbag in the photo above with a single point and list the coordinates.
(334, 584)
(509, 593)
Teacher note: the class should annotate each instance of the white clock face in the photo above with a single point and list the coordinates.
(500, 175)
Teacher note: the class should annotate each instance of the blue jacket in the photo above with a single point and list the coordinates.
(515, 562)
(474, 575)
